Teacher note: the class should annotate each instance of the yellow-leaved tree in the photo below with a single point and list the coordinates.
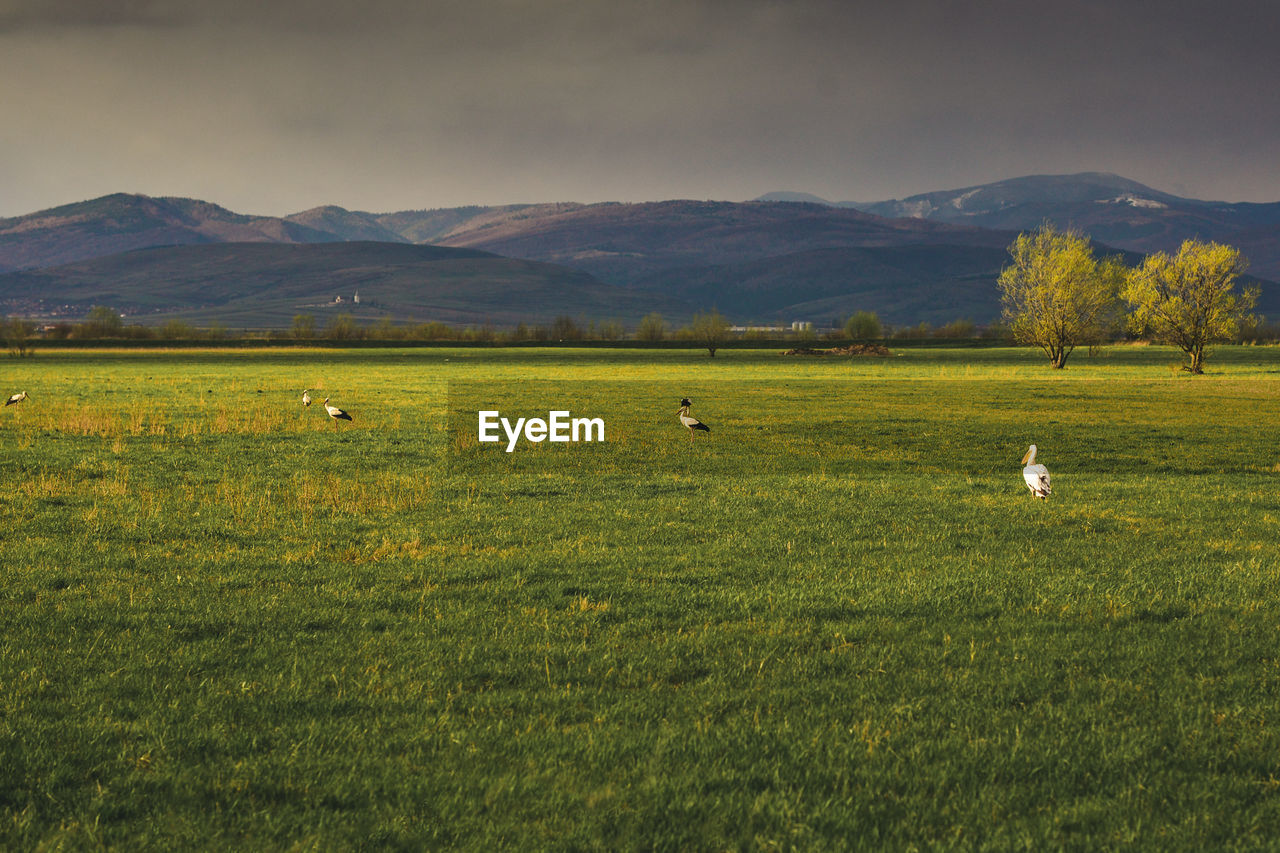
(1189, 299)
(1056, 295)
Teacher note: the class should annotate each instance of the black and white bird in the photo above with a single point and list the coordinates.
(689, 420)
(16, 398)
(335, 413)
(1036, 476)
(306, 397)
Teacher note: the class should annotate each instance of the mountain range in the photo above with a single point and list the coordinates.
(931, 257)
(1112, 210)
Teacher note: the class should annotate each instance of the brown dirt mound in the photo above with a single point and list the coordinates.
(852, 349)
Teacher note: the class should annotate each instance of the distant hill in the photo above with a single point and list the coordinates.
(1111, 209)
(122, 222)
(627, 243)
(930, 257)
(617, 241)
(428, 226)
(254, 285)
(339, 225)
(1017, 196)
(798, 198)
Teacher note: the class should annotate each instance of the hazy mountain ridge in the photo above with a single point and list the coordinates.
(625, 243)
(1111, 209)
(426, 226)
(341, 225)
(987, 199)
(123, 222)
(932, 257)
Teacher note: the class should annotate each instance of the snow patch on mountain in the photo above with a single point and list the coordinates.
(1133, 201)
(958, 201)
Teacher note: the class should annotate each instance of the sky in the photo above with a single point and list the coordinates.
(385, 105)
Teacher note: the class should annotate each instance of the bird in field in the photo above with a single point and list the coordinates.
(1036, 476)
(16, 398)
(306, 397)
(335, 413)
(689, 420)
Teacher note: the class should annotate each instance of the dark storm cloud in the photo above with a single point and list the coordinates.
(29, 15)
(272, 107)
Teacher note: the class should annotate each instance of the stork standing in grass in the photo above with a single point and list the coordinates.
(335, 413)
(1036, 476)
(16, 398)
(306, 397)
(689, 420)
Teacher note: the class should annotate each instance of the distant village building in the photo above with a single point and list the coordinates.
(801, 326)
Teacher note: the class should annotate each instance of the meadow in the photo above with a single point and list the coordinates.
(838, 621)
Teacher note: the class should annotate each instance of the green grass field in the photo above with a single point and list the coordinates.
(839, 621)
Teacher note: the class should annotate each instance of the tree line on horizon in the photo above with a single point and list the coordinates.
(103, 323)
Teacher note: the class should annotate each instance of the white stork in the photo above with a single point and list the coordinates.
(1036, 476)
(306, 397)
(16, 398)
(335, 413)
(689, 420)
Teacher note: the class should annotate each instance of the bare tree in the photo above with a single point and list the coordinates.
(17, 336)
(710, 329)
(304, 327)
(652, 327)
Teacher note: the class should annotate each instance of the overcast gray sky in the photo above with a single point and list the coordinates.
(386, 105)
